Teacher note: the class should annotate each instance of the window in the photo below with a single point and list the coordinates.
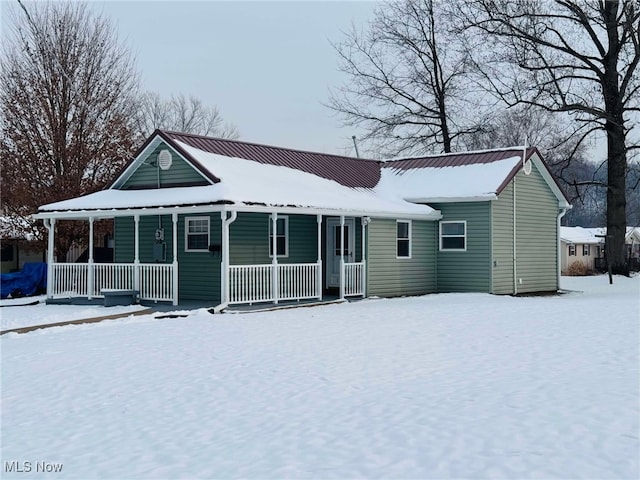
(282, 236)
(196, 231)
(572, 250)
(586, 250)
(403, 239)
(453, 236)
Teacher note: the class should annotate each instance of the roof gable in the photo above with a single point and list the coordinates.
(144, 172)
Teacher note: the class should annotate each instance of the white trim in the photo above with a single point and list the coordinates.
(139, 160)
(195, 209)
(186, 233)
(453, 236)
(410, 239)
(286, 237)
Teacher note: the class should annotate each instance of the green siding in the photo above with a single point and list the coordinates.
(249, 239)
(198, 272)
(502, 212)
(536, 234)
(467, 271)
(124, 237)
(391, 276)
(146, 175)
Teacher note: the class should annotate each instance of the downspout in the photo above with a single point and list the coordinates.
(559, 243)
(515, 269)
(224, 264)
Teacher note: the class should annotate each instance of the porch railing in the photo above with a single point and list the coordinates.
(72, 279)
(298, 281)
(353, 279)
(254, 283)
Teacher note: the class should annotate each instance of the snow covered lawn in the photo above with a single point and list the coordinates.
(441, 386)
(12, 316)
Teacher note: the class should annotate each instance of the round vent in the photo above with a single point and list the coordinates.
(527, 167)
(164, 160)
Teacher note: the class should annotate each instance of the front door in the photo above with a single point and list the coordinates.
(333, 248)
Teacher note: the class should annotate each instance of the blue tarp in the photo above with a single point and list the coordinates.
(29, 281)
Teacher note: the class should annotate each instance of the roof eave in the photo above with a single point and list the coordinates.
(228, 206)
(474, 198)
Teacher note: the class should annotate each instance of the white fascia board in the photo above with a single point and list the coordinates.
(153, 144)
(128, 212)
(478, 198)
(546, 175)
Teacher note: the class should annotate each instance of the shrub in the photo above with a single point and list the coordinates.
(578, 269)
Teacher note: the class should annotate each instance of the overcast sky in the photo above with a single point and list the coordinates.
(266, 65)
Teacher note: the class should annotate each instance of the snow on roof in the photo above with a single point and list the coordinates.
(479, 181)
(577, 235)
(245, 182)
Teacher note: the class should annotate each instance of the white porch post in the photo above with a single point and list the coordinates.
(319, 275)
(90, 263)
(51, 226)
(274, 260)
(136, 254)
(364, 221)
(342, 257)
(174, 217)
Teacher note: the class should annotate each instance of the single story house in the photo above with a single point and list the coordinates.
(229, 222)
(580, 245)
(587, 246)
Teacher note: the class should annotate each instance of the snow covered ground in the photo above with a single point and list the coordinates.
(440, 386)
(13, 316)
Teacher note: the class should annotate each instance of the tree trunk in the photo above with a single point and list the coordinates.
(616, 151)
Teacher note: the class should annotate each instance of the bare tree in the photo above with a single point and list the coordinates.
(182, 114)
(407, 81)
(571, 57)
(67, 92)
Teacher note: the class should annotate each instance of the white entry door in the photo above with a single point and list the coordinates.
(333, 248)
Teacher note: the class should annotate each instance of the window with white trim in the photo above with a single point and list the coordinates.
(572, 250)
(196, 234)
(453, 236)
(282, 236)
(586, 250)
(403, 239)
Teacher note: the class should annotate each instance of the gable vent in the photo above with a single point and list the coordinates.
(165, 160)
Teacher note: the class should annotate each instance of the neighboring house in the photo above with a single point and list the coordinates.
(587, 246)
(16, 248)
(580, 245)
(230, 222)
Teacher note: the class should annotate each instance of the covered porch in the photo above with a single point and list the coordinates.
(338, 269)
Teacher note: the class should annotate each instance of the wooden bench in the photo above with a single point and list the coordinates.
(113, 297)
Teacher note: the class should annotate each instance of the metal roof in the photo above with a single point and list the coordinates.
(348, 171)
(456, 159)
